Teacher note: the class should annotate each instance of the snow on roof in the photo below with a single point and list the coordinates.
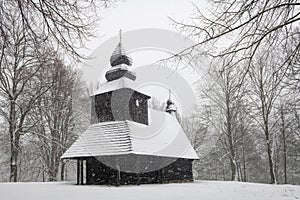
(162, 137)
(122, 82)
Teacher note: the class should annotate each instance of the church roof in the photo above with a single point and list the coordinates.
(122, 82)
(162, 137)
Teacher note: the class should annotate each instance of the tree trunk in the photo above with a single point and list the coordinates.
(224, 175)
(284, 144)
(233, 164)
(13, 164)
(14, 143)
(62, 171)
(244, 177)
(270, 158)
(54, 163)
(234, 168)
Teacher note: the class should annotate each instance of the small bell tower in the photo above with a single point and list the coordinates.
(171, 108)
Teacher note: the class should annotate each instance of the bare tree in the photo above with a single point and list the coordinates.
(56, 117)
(263, 37)
(246, 27)
(287, 110)
(225, 95)
(266, 78)
(65, 24)
(28, 29)
(20, 61)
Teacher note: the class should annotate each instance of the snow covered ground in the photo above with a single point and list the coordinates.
(200, 190)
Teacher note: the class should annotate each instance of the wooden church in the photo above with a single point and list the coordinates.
(127, 143)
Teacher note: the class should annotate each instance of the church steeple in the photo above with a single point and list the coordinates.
(120, 62)
(118, 99)
(119, 56)
(171, 108)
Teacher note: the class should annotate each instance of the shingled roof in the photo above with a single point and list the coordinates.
(162, 137)
(120, 83)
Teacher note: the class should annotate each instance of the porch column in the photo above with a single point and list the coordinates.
(78, 171)
(81, 171)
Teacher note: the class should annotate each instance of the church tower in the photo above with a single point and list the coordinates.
(120, 62)
(117, 100)
(171, 108)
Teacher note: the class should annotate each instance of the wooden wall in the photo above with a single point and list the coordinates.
(119, 105)
(99, 174)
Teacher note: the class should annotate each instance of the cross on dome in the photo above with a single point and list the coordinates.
(119, 56)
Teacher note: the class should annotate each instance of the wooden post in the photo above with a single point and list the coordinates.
(118, 172)
(62, 171)
(78, 171)
(138, 179)
(81, 171)
(87, 181)
(139, 169)
(118, 175)
(158, 177)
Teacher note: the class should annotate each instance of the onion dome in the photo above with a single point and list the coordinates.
(171, 108)
(119, 56)
(119, 62)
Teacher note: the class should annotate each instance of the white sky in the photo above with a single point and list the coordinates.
(136, 14)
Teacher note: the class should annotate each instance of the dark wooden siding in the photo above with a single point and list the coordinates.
(178, 171)
(119, 105)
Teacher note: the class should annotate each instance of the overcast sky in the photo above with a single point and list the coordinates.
(135, 14)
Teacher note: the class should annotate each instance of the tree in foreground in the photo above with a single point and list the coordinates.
(242, 32)
(246, 27)
(22, 59)
(63, 24)
(55, 117)
(29, 31)
(225, 95)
